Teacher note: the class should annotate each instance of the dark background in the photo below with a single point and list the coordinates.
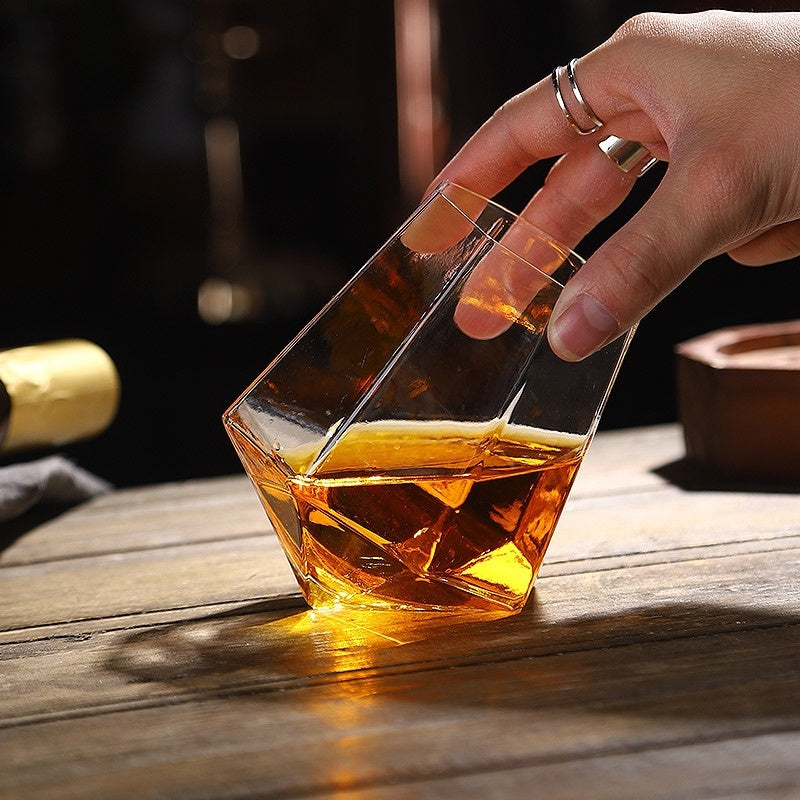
(105, 217)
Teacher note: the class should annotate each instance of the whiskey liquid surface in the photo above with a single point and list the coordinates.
(422, 515)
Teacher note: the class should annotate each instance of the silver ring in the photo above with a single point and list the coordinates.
(597, 123)
(627, 154)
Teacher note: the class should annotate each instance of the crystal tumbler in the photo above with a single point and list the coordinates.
(415, 444)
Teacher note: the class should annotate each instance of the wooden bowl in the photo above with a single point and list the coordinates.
(739, 400)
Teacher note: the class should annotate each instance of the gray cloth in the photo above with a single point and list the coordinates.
(54, 479)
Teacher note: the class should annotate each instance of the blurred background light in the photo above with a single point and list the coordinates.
(240, 42)
(186, 182)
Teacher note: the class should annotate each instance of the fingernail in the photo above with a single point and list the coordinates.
(581, 328)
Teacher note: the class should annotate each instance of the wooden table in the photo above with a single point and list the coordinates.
(153, 644)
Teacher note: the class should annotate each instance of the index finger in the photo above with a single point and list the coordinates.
(525, 129)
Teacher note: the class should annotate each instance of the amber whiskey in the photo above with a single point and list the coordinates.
(419, 515)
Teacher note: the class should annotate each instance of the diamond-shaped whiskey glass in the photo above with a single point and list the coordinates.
(415, 444)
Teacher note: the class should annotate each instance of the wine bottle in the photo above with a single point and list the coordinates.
(55, 393)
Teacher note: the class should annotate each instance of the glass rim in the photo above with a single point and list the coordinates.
(569, 254)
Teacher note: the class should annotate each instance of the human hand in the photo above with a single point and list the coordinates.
(715, 94)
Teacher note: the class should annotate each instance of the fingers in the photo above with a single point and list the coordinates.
(665, 80)
(531, 126)
(499, 291)
(582, 189)
(523, 130)
(443, 220)
(777, 244)
(635, 268)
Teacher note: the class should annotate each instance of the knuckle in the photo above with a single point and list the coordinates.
(714, 18)
(503, 121)
(688, 27)
(642, 270)
(637, 274)
(581, 215)
(647, 25)
(501, 115)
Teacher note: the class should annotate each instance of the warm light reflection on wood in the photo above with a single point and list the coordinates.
(348, 639)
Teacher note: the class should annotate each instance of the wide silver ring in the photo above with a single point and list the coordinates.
(597, 123)
(627, 154)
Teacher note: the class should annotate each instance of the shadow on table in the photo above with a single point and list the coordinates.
(13, 529)
(690, 660)
(695, 477)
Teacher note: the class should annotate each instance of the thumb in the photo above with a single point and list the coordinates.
(648, 257)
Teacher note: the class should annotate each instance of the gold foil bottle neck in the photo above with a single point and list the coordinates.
(60, 392)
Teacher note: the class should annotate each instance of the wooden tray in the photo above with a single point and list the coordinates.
(739, 400)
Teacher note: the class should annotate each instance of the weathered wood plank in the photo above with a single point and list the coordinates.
(145, 619)
(662, 649)
(629, 460)
(151, 580)
(763, 767)
(137, 519)
(219, 508)
(421, 725)
(598, 527)
(645, 528)
(194, 658)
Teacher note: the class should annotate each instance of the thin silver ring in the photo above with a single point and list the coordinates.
(579, 97)
(597, 123)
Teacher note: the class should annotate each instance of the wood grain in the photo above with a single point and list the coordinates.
(290, 648)
(153, 644)
(423, 723)
(147, 580)
(137, 519)
(756, 766)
